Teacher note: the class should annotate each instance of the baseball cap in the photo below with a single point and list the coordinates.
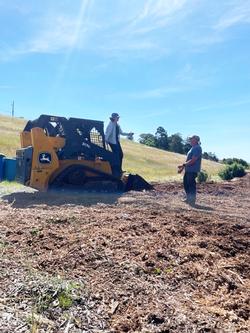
(115, 115)
(196, 137)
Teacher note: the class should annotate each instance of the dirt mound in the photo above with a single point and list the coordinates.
(140, 262)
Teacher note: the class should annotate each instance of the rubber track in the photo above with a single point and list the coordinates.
(58, 181)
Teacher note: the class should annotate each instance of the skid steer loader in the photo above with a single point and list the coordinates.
(59, 152)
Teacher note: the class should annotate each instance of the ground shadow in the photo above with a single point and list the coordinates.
(59, 198)
(201, 207)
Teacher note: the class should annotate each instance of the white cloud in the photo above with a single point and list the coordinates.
(54, 37)
(238, 14)
(142, 33)
(52, 33)
(185, 80)
(224, 104)
(148, 29)
(157, 92)
(158, 9)
(110, 36)
(152, 114)
(61, 32)
(164, 91)
(156, 14)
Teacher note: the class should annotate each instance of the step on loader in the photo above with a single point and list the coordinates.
(70, 153)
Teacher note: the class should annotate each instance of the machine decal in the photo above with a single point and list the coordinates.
(45, 158)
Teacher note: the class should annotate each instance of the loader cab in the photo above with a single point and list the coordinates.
(83, 137)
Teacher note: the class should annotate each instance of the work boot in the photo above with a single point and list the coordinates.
(190, 202)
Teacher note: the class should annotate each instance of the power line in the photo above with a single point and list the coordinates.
(13, 109)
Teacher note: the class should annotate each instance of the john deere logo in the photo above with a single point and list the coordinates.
(45, 158)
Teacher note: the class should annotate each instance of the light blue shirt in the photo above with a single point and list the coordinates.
(110, 133)
(197, 152)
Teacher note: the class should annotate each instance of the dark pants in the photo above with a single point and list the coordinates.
(190, 186)
(118, 156)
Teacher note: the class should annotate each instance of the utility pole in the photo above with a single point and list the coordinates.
(13, 109)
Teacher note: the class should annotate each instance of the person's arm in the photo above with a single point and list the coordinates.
(190, 162)
(124, 133)
(187, 163)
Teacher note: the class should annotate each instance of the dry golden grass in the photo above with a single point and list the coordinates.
(158, 165)
(9, 134)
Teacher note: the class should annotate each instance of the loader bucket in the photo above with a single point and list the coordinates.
(137, 183)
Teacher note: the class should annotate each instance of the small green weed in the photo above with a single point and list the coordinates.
(3, 244)
(34, 232)
(65, 299)
(157, 271)
(168, 270)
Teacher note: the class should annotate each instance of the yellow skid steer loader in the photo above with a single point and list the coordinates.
(57, 152)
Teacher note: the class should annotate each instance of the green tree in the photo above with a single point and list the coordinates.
(147, 139)
(235, 160)
(176, 143)
(186, 146)
(210, 156)
(161, 138)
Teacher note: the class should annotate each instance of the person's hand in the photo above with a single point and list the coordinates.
(180, 168)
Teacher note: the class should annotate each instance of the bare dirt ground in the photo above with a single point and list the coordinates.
(137, 262)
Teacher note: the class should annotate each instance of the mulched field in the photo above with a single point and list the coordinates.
(137, 262)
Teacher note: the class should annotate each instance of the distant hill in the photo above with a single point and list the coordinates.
(151, 163)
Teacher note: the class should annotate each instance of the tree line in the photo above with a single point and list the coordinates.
(174, 143)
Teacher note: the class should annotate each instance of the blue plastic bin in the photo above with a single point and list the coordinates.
(1, 166)
(9, 169)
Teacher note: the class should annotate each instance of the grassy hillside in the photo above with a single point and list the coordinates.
(156, 164)
(151, 163)
(9, 134)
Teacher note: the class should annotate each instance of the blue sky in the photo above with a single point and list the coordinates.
(180, 64)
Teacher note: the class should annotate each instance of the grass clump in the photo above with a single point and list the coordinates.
(65, 299)
(232, 171)
(202, 176)
(59, 294)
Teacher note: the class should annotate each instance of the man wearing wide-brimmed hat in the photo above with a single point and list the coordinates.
(112, 137)
(192, 166)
